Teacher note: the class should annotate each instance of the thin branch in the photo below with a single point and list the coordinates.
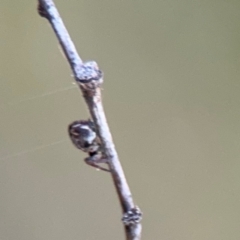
(89, 78)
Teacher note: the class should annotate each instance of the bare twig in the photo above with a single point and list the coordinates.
(89, 78)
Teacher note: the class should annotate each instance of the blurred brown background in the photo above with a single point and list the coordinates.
(172, 98)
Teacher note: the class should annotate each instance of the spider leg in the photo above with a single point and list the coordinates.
(94, 160)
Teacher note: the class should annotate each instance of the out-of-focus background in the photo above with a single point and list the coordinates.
(172, 98)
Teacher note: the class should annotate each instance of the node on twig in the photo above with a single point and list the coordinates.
(132, 217)
(89, 76)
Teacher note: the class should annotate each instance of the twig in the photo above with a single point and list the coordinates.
(89, 78)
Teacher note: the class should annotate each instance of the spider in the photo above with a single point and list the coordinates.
(83, 135)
